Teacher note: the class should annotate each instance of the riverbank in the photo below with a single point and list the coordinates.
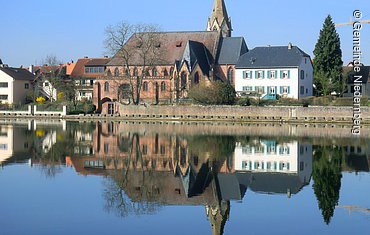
(236, 114)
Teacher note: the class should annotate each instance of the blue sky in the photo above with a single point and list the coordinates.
(73, 29)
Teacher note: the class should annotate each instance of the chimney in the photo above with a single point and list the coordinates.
(86, 57)
(31, 69)
(290, 45)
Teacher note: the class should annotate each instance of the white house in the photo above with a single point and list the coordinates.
(15, 83)
(286, 71)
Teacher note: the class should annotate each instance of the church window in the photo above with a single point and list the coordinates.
(145, 86)
(196, 78)
(116, 72)
(230, 75)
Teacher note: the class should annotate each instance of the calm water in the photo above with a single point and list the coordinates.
(136, 178)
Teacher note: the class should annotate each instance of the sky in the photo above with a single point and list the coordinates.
(72, 29)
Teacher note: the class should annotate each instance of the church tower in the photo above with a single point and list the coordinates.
(219, 20)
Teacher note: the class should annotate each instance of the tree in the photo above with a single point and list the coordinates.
(136, 47)
(51, 60)
(327, 179)
(328, 60)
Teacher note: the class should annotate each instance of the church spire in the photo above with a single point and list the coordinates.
(219, 19)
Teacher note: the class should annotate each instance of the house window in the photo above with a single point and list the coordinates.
(91, 70)
(247, 74)
(116, 72)
(285, 74)
(46, 84)
(26, 86)
(247, 88)
(302, 74)
(306, 90)
(272, 74)
(101, 69)
(106, 86)
(163, 86)
(260, 89)
(96, 70)
(260, 74)
(196, 78)
(285, 90)
(145, 86)
(302, 90)
(3, 97)
(3, 147)
(3, 84)
(86, 70)
(230, 75)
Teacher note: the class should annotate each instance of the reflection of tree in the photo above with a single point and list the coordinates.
(327, 179)
(218, 147)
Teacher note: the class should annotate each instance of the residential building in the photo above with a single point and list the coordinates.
(184, 60)
(84, 72)
(15, 84)
(365, 80)
(269, 71)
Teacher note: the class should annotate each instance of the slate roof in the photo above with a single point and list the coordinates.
(18, 73)
(365, 72)
(272, 57)
(196, 53)
(171, 47)
(231, 49)
(275, 183)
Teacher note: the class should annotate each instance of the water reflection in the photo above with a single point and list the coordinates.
(148, 168)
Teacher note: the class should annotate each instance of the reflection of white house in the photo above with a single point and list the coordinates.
(271, 71)
(13, 141)
(15, 83)
(268, 161)
(49, 140)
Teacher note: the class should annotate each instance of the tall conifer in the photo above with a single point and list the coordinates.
(328, 60)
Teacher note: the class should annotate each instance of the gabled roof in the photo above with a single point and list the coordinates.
(231, 49)
(171, 47)
(196, 53)
(18, 73)
(79, 67)
(272, 57)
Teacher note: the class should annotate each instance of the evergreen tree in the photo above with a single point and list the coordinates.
(328, 60)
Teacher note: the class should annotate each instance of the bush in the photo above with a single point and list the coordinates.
(244, 102)
(217, 93)
(40, 100)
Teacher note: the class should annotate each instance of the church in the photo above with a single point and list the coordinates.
(186, 59)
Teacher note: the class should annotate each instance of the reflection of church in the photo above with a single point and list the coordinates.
(171, 169)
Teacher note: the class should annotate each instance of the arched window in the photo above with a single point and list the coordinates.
(171, 71)
(106, 86)
(145, 86)
(163, 86)
(196, 78)
(116, 72)
(230, 75)
(154, 72)
(183, 80)
(165, 73)
(136, 73)
(147, 73)
(127, 71)
(109, 73)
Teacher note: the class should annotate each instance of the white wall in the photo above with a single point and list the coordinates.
(294, 82)
(6, 91)
(307, 82)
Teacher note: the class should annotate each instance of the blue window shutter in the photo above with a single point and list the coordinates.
(281, 90)
(276, 90)
(288, 73)
(250, 74)
(268, 90)
(256, 74)
(244, 74)
(288, 89)
(281, 73)
(263, 74)
(268, 74)
(256, 88)
(263, 90)
(276, 74)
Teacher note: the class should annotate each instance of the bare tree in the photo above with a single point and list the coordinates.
(51, 60)
(138, 48)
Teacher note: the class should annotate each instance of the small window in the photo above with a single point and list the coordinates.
(106, 86)
(306, 90)
(154, 72)
(3, 97)
(302, 90)
(230, 75)
(285, 74)
(272, 74)
(3, 84)
(116, 72)
(87, 70)
(145, 149)
(46, 84)
(196, 78)
(165, 73)
(145, 86)
(302, 74)
(136, 73)
(26, 86)
(163, 86)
